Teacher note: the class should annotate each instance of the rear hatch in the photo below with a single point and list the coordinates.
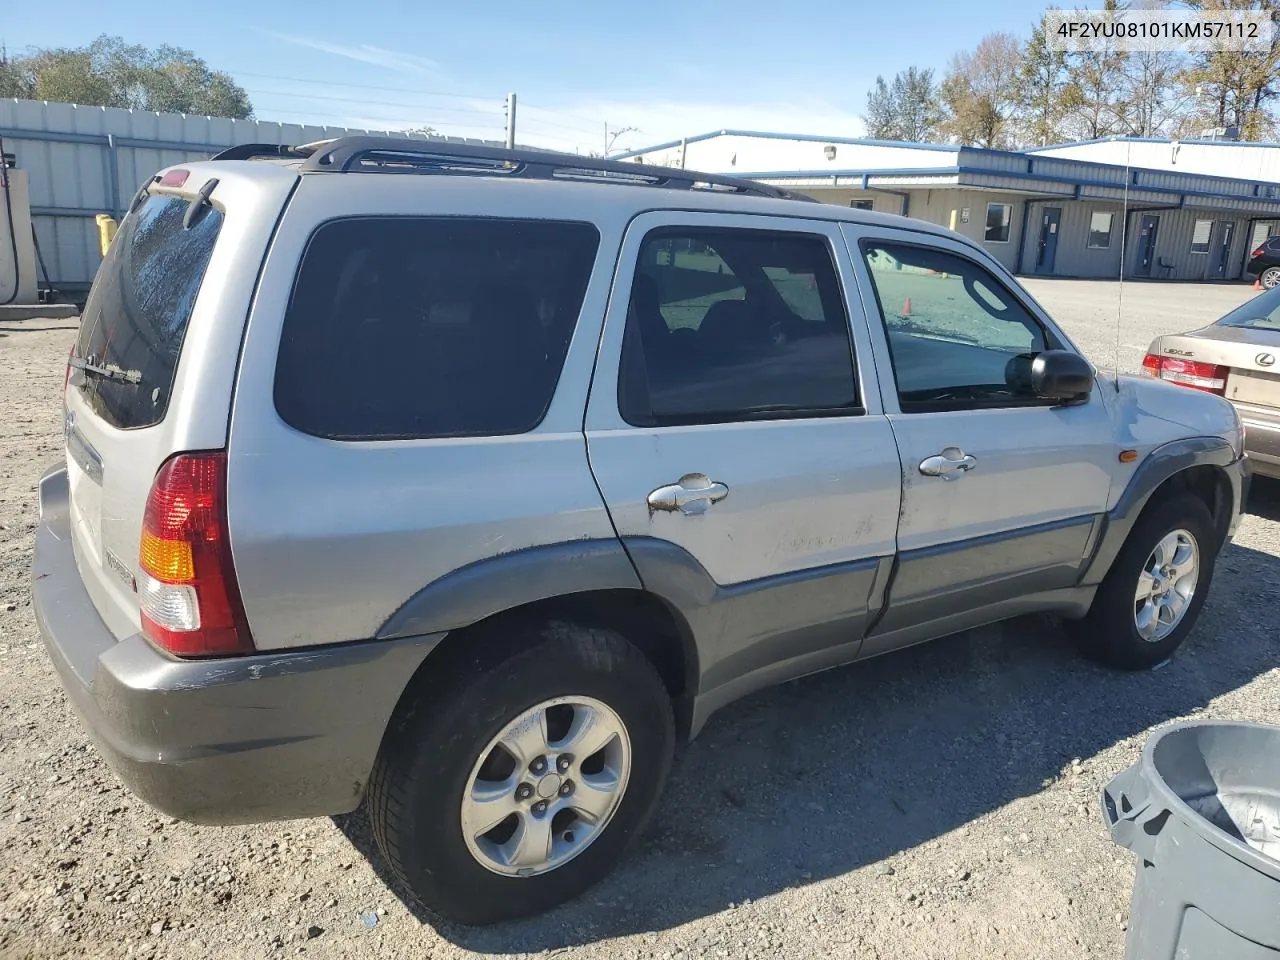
(150, 373)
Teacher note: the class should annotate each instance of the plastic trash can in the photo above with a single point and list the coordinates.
(1201, 810)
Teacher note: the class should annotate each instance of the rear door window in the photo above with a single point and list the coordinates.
(136, 317)
(727, 325)
(415, 327)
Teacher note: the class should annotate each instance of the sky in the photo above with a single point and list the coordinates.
(665, 69)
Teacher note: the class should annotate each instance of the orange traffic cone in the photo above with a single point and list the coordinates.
(906, 308)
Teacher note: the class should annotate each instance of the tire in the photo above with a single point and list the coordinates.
(1270, 277)
(1110, 633)
(438, 744)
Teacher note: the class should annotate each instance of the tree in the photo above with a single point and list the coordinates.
(1095, 90)
(881, 118)
(111, 73)
(1236, 88)
(1041, 91)
(978, 93)
(1153, 102)
(907, 109)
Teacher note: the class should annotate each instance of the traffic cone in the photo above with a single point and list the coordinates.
(906, 309)
(1257, 284)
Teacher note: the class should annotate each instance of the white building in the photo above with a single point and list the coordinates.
(1192, 213)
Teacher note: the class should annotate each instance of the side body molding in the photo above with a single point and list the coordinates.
(508, 580)
(755, 634)
(1161, 464)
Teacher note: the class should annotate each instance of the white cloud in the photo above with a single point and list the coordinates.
(394, 60)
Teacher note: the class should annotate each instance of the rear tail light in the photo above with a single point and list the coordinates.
(1209, 377)
(174, 178)
(188, 593)
(66, 377)
(1256, 253)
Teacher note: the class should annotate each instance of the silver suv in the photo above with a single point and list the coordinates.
(460, 482)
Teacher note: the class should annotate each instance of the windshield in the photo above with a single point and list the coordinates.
(136, 316)
(1261, 313)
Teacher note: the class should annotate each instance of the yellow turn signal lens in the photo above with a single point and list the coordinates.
(166, 560)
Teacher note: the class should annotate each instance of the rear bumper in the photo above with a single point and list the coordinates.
(272, 736)
(1261, 439)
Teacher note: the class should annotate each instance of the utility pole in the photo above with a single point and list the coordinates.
(606, 140)
(511, 121)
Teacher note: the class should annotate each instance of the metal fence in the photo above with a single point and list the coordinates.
(83, 161)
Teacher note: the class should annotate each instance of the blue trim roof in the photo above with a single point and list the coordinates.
(1123, 139)
(961, 171)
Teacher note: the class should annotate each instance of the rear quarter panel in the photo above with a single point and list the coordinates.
(329, 537)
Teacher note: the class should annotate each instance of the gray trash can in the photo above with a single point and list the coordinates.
(1201, 810)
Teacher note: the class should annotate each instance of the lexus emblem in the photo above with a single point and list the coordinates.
(1265, 359)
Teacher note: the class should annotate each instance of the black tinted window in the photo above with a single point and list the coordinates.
(421, 327)
(136, 316)
(729, 325)
(956, 335)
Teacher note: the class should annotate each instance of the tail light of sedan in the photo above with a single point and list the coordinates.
(1209, 377)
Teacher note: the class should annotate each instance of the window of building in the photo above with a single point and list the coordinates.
(861, 204)
(1200, 236)
(730, 325)
(957, 337)
(999, 216)
(414, 327)
(1100, 229)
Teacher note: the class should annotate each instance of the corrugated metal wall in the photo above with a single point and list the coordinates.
(1074, 256)
(88, 160)
(936, 206)
(1173, 244)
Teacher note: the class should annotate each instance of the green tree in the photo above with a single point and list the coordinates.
(906, 109)
(1041, 91)
(111, 73)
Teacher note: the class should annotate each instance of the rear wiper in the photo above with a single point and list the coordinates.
(106, 373)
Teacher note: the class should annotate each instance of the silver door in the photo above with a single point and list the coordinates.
(1000, 495)
(777, 521)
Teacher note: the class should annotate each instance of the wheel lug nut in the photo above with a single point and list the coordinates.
(524, 791)
(539, 765)
(563, 762)
(566, 788)
(540, 808)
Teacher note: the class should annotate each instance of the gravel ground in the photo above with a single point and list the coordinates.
(939, 802)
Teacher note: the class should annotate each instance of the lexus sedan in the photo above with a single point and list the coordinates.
(1237, 357)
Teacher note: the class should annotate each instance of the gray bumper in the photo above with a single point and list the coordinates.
(235, 740)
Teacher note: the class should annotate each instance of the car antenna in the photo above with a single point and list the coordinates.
(1124, 230)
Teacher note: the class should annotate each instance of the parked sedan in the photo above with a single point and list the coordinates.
(1235, 357)
(1264, 262)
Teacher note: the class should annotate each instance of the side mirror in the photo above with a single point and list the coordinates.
(1062, 376)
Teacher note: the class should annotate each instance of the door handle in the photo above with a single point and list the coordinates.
(691, 495)
(950, 464)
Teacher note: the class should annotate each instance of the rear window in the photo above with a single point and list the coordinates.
(1261, 313)
(136, 316)
(407, 327)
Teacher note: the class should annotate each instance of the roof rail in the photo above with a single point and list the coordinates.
(251, 151)
(391, 155)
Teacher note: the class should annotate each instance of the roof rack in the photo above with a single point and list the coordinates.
(392, 155)
(252, 151)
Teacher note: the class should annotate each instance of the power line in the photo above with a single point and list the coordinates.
(366, 86)
(582, 125)
(388, 103)
(347, 118)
